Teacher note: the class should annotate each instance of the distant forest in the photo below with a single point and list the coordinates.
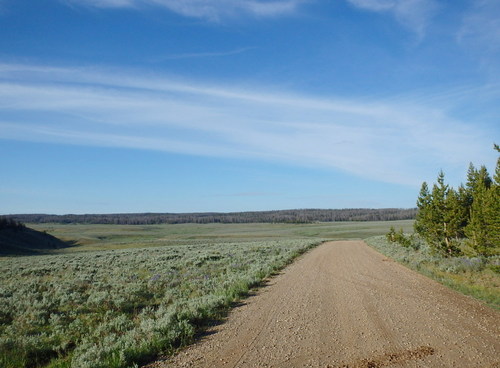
(282, 216)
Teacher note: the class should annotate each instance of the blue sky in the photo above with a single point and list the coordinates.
(202, 105)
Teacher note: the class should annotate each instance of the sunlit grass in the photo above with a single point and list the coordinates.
(101, 237)
(476, 277)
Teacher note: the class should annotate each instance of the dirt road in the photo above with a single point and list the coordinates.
(345, 305)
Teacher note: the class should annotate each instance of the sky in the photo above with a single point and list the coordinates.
(112, 106)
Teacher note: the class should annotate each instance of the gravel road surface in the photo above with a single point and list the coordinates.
(345, 305)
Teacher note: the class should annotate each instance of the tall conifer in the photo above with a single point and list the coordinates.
(423, 204)
(439, 232)
(484, 214)
(446, 215)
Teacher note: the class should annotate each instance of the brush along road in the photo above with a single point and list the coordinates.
(345, 305)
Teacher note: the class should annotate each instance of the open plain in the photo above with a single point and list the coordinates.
(345, 305)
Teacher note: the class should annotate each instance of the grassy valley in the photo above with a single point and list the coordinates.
(123, 294)
(87, 237)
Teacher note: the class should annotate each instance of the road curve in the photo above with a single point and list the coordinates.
(345, 305)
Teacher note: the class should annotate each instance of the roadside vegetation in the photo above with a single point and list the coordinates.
(456, 238)
(463, 221)
(119, 308)
(476, 276)
(121, 295)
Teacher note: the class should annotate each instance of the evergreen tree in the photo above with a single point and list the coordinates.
(476, 180)
(497, 169)
(476, 230)
(492, 212)
(438, 212)
(482, 229)
(423, 205)
(472, 176)
(436, 221)
(446, 215)
(492, 220)
(454, 215)
(484, 178)
(462, 210)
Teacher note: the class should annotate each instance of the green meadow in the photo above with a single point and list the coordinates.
(120, 295)
(106, 237)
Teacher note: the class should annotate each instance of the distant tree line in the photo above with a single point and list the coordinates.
(281, 216)
(450, 218)
(10, 223)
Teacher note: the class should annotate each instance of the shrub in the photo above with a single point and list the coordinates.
(400, 238)
(122, 307)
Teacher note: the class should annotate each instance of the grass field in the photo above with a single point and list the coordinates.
(114, 308)
(474, 276)
(120, 295)
(106, 237)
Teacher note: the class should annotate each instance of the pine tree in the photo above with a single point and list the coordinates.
(483, 214)
(423, 204)
(492, 220)
(454, 215)
(446, 215)
(492, 212)
(497, 169)
(434, 232)
(476, 229)
(438, 208)
(472, 176)
(462, 210)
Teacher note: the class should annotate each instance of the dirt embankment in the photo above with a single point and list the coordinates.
(345, 305)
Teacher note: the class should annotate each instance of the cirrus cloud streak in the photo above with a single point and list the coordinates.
(413, 14)
(206, 9)
(391, 140)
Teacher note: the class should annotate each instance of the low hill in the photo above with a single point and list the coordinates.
(17, 239)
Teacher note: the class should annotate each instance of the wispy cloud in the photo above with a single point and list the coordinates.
(394, 141)
(212, 10)
(197, 55)
(104, 3)
(413, 14)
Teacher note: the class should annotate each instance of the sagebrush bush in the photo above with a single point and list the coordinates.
(122, 307)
